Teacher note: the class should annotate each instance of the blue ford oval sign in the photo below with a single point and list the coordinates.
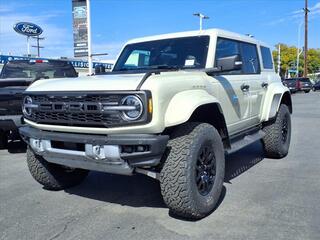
(28, 29)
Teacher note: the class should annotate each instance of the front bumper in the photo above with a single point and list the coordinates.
(118, 154)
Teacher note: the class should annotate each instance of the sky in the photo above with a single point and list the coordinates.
(115, 22)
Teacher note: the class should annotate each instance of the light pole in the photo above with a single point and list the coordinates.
(279, 59)
(306, 11)
(89, 38)
(201, 17)
(298, 48)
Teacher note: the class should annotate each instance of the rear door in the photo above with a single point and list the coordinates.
(251, 72)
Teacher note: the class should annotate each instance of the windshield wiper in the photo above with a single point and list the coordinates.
(160, 67)
(165, 67)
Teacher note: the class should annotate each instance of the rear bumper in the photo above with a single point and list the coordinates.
(118, 154)
(305, 88)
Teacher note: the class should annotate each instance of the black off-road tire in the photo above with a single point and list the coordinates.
(307, 91)
(274, 143)
(53, 176)
(178, 175)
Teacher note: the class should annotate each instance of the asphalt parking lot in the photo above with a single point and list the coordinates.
(262, 199)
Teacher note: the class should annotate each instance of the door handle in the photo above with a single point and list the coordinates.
(245, 87)
(264, 85)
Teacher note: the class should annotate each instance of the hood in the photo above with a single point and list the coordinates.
(89, 83)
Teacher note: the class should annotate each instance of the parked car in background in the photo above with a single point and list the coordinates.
(15, 77)
(298, 84)
(316, 86)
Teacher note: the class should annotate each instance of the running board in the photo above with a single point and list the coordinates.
(245, 141)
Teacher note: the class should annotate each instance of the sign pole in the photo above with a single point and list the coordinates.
(279, 60)
(89, 38)
(28, 46)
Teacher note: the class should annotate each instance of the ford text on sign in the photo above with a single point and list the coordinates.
(28, 29)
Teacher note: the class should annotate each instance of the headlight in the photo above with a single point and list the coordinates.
(134, 107)
(27, 106)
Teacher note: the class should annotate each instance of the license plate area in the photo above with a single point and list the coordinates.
(68, 146)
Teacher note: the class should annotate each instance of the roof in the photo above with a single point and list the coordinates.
(210, 32)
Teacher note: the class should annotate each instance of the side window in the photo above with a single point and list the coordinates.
(266, 57)
(138, 58)
(226, 48)
(250, 60)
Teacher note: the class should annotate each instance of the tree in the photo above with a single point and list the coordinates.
(289, 59)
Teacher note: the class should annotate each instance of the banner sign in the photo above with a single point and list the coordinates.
(80, 32)
(27, 29)
(76, 63)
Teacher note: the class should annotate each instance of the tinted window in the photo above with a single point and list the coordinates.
(299, 79)
(266, 58)
(250, 61)
(188, 52)
(304, 79)
(38, 70)
(248, 53)
(226, 48)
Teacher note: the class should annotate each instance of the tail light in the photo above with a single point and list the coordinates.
(298, 84)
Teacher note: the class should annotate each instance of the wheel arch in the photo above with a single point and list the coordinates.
(277, 100)
(276, 95)
(197, 106)
(212, 114)
(286, 99)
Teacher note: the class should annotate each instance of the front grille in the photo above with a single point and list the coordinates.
(75, 109)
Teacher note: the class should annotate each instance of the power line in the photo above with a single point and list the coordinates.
(38, 44)
(306, 11)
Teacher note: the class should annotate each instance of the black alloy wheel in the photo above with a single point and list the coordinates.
(206, 169)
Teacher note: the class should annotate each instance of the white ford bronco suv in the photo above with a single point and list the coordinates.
(171, 108)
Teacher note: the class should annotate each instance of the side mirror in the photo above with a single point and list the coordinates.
(229, 63)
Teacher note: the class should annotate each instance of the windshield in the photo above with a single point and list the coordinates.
(177, 53)
(36, 70)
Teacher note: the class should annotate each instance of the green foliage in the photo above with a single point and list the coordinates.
(289, 59)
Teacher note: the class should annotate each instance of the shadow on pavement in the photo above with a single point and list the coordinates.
(134, 191)
(142, 191)
(17, 147)
(241, 161)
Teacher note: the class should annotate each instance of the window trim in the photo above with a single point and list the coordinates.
(240, 48)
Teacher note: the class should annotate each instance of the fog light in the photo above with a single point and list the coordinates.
(140, 148)
(127, 149)
(37, 145)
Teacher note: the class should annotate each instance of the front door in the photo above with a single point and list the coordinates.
(241, 92)
(233, 93)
